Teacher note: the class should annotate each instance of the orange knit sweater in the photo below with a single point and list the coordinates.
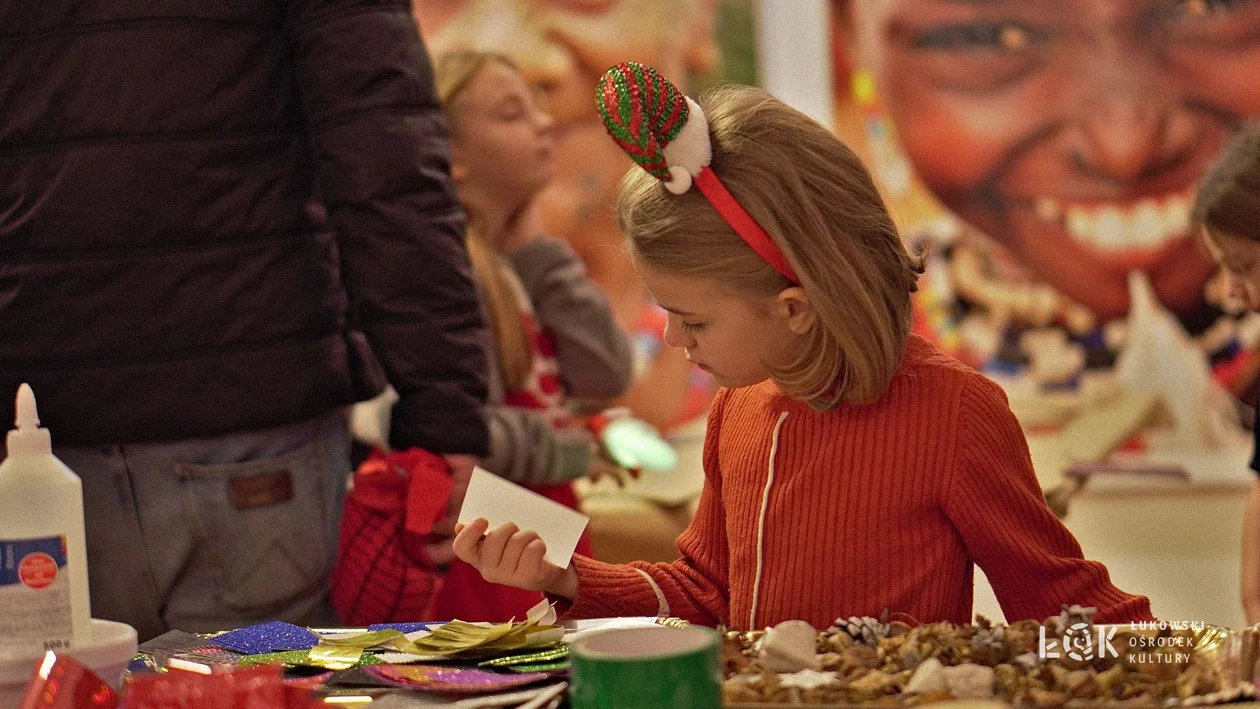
(815, 515)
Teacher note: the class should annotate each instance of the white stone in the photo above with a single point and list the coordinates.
(806, 680)
(970, 681)
(791, 646)
(930, 677)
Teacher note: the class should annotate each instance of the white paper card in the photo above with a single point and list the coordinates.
(500, 501)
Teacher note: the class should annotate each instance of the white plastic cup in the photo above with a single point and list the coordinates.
(112, 647)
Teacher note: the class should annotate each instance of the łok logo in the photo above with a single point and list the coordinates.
(1078, 643)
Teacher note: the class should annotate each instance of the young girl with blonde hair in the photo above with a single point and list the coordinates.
(554, 337)
(850, 466)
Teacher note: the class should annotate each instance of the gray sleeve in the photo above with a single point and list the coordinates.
(524, 447)
(594, 354)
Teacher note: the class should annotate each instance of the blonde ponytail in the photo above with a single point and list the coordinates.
(512, 348)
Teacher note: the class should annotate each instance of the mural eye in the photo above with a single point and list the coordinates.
(978, 36)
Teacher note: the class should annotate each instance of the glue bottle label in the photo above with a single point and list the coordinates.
(34, 594)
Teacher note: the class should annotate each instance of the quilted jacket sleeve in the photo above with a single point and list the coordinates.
(380, 142)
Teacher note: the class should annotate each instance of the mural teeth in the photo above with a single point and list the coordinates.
(1110, 231)
(1080, 224)
(1146, 226)
(1177, 214)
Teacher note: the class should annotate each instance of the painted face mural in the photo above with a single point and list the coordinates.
(1070, 133)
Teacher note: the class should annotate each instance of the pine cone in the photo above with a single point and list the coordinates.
(994, 636)
(1074, 614)
(865, 630)
(988, 646)
(1029, 662)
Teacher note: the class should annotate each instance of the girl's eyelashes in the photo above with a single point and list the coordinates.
(692, 327)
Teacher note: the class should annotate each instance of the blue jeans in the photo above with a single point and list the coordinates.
(216, 533)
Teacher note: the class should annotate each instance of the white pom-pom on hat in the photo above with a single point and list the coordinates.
(679, 180)
(690, 151)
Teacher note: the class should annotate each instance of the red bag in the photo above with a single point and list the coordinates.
(384, 571)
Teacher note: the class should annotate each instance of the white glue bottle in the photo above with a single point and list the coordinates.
(43, 555)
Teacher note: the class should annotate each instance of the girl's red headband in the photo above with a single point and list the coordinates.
(667, 134)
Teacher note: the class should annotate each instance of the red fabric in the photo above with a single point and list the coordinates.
(543, 391)
(381, 574)
(1230, 371)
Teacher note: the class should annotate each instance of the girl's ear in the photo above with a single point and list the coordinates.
(794, 305)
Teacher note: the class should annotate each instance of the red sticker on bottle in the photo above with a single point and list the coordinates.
(37, 570)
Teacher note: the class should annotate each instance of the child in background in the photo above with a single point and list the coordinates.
(850, 466)
(554, 336)
(1228, 210)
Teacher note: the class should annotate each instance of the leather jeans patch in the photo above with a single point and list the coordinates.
(250, 491)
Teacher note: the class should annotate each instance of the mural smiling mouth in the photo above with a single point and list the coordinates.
(1085, 247)
(1122, 231)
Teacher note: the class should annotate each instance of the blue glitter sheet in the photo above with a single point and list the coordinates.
(267, 637)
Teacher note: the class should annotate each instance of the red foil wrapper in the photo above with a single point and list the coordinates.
(255, 688)
(62, 682)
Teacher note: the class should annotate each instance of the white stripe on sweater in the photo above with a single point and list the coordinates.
(761, 524)
(662, 605)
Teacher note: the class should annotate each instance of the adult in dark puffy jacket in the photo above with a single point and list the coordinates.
(220, 224)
